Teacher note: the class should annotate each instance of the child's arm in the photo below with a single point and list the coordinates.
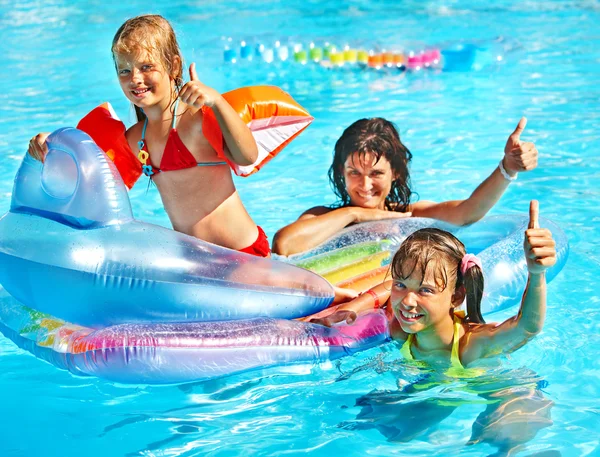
(320, 223)
(241, 147)
(518, 156)
(490, 340)
(373, 299)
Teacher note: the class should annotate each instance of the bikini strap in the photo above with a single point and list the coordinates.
(405, 349)
(144, 130)
(174, 114)
(455, 354)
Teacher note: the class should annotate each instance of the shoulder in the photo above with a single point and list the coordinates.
(134, 134)
(421, 205)
(473, 340)
(316, 211)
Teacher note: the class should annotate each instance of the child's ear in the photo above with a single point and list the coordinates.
(459, 296)
(176, 67)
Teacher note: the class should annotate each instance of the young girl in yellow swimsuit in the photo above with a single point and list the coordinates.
(432, 274)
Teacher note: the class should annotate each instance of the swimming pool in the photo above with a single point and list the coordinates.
(57, 67)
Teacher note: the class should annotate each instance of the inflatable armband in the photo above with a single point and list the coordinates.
(108, 132)
(273, 116)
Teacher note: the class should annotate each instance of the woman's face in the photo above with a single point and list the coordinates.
(368, 181)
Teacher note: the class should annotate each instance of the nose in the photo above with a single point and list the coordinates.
(409, 300)
(366, 183)
(136, 76)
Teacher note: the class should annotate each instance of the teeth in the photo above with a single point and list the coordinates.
(140, 91)
(411, 315)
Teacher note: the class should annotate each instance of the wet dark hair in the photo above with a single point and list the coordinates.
(151, 33)
(380, 137)
(431, 244)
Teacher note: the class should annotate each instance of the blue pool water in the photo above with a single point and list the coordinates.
(57, 66)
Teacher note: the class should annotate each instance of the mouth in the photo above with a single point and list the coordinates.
(409, 317)
(139, 93)
(366, 195)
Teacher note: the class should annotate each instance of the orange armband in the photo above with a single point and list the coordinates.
(272, 115)
(108, 132)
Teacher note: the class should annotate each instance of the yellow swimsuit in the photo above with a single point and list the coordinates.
(456, 370)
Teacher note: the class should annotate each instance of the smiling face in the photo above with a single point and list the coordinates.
(368, 180)
(144, 81)
(148, 61)
(423, 301)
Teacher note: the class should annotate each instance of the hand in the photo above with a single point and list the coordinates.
(339, 316)
(196, 94)
(372, 214)
(539, 246)
(519, 155)
(38, 147)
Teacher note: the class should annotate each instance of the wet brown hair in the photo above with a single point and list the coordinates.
(153, 34)
(380, 137)
(446, 251)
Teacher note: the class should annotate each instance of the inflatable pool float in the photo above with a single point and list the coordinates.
(164, 353)
(71, 248)
(457, 56)
(358, 257)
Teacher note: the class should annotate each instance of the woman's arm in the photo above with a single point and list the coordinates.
(240, 145)
(510, 335)
(320, 223)
(518, 156)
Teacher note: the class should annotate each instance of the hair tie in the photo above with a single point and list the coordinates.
(468, 261)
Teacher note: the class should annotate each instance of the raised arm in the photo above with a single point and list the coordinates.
(491, 339)
(518, 156)
(240, 145)
(320, 223)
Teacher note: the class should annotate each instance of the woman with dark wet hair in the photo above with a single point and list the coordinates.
(370, 176)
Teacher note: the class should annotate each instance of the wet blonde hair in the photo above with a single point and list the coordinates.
(153, 34)
(446, 252)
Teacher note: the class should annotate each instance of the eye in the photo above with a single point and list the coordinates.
(123, 71)
(353, 173)
(399, 285)
(426, 290)
(147, 67)
(377, 174)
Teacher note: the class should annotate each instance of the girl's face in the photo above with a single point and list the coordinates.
(368, 181)
(421, 302)
(144, 81)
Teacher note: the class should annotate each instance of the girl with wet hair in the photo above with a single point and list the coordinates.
(432, 275)
(195, 185)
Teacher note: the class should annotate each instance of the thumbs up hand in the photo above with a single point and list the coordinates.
(519, 155)
(196, 94)
(540, 248)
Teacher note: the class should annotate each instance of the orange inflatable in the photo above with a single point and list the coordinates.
(108, 132)
(273, 116)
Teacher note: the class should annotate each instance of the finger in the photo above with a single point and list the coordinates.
(516, 135)
(541, 253)
(193, 74)
(402, 215)
(540, 242)
(534, 214)
(546, 262)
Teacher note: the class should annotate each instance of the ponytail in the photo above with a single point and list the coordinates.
(473, 282)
